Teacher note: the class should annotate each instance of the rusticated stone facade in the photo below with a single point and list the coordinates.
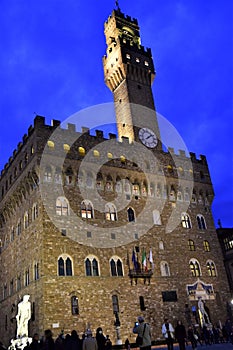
(68, 231)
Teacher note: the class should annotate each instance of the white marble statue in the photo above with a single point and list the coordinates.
(23, 316)
(204, 316)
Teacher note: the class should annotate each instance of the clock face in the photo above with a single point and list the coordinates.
(148, 137)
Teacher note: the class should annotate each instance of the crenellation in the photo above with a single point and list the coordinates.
(85, 130)
(71, 127)
(99, 134)
(55, 123)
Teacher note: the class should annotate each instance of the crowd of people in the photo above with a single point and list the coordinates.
(172, 334)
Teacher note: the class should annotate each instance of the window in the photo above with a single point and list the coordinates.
(195, 268)
(110, 212)
(34, 211)
(58, 176)
(87, 211)
(26, 278)
(18, 228)
(116, 267)
(91, 266)
(206, 246)
(164, 268)
(12, 234)
(25, 220)
(48, 175)
(135, 189)
(142, 303)
(156, 217)
(191, 245)
(65, 266)
(185, 220)
(186, 195)
(109, 183)
(118, 186)
(62, 206)
(115, 304)
(201, 222)
(74, 305)
(161, 245)
(36, 271)
(131, 215)
(211, 268)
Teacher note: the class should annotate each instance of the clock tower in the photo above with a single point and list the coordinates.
(129, 73)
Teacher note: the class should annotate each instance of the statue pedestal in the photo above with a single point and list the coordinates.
(19, 343)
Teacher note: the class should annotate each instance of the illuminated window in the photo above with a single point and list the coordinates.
(211, 269)
(185, 220)
(74, 305)
(128, 56)
(164, 268)
(156, 217)
(146, 63)
(201, 222)
(48, 174)
(195, 268)
(62, 206)
(81, 151)
(191, 245)
(25, 220)
(87, 211)
(135, 189)
(116, 266)
(137, 60)
(110, 212)
(206, 246)
(91, 266)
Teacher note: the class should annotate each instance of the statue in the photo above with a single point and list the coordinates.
(23, 316)
(203, 314)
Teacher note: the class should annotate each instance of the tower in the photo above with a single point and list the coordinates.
(129, 73)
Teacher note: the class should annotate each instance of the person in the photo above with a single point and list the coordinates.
(73, 342)
(191, 337)
(60, 342)
(100, 338)
(127, 344)
(89, 343)
(168, 333)
(180, 334)
(108, 343)
(35, 345)
(48, 343)
(23, 316)
(143, 330)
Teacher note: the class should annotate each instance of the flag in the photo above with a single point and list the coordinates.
(151, 260)
(144, 262)
(134, 260)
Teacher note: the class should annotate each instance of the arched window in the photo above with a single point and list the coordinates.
(195, 268)
(25, 220)
(87, 211)
(164, 268)
(131, 215)
(99, 181)
(211, 268)
(116, 266)
(109, 183)
(191, 245)
(91, 266)
(135, 189)
(201, 222)
(34, 211)
(185, 220)
(12, 234)
(48, 174)
(74, 305)
(110, 212)
(65, 266)
(156, 217)
(18, 228)
(206, 246)
(62, 206)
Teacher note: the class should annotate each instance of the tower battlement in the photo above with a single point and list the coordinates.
(121, 15)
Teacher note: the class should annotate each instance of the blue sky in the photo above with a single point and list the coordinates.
(51, 65)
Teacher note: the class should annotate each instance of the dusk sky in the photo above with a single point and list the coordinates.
(51, 65)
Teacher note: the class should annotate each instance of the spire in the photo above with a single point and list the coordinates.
(117, 5)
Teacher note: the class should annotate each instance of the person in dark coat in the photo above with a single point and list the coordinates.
(35, 344)
(48, 343)
(192, 338)
(73, 342)
(180, 335)
(100, 338)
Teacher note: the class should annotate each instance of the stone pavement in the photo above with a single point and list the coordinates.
(222, 346)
